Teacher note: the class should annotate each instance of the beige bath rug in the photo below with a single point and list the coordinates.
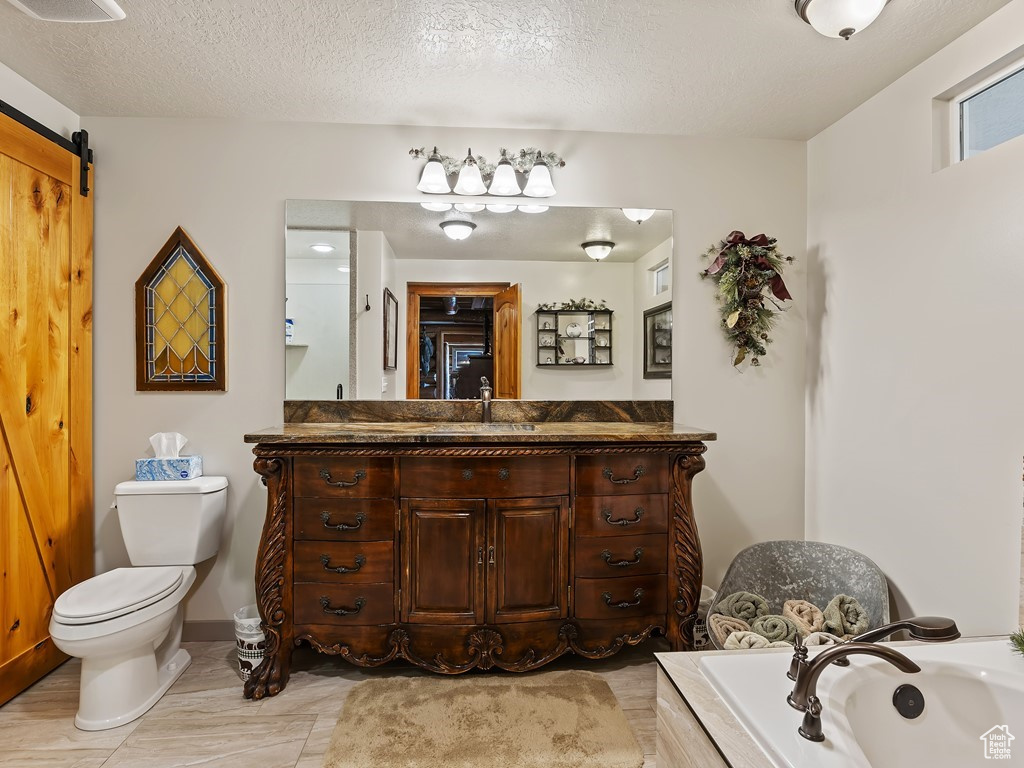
(545, 720)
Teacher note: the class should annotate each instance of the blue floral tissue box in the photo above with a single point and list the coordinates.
(181, 468)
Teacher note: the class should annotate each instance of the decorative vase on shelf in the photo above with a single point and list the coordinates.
(574, 330)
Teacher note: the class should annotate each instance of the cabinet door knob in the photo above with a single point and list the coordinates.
(325, 475)
(503, 473)
(637, 514)
(325, 518)
(638, 472)
(637, 553)
(326, 559)
(467, 474)
(325, 603)
(638, 595)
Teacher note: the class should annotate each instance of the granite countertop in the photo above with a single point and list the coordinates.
(471, 432)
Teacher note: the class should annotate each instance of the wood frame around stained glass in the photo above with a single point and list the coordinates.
(180, 330)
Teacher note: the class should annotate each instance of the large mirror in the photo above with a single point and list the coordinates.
(517, 300)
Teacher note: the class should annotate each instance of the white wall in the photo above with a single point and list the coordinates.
(41, 107)
(915, 419)
(374, 272)
(545, 282)
(226, 183)
(644, 298)
(318, 302)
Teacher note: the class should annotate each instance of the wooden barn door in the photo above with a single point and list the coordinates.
(46, 529)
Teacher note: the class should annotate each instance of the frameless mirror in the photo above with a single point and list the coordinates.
(579, 333)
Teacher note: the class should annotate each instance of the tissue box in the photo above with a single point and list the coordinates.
(181, 468)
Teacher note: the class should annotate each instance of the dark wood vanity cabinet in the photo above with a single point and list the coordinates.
(478, 556)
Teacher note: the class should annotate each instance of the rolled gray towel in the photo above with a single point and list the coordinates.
(743, 605)
(844, 617)
(738, 641)
(775, 628)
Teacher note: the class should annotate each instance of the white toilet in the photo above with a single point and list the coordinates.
(125, 625)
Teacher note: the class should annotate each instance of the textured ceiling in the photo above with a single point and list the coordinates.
(692, 67)
(414, 233)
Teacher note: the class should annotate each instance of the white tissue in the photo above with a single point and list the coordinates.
(167, 445)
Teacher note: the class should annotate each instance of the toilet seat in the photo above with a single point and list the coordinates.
(116, 593)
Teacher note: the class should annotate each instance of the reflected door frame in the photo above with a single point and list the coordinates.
(412, 317)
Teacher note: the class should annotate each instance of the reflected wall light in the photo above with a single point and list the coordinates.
(469, 207)
(322, 247)
(457, 229)
(437, 207)
(501, 207)
(533, 208)
(839, 18)
(475, 176)
(639, 215)
(597, 249)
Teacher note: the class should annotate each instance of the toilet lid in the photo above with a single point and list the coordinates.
(116, 593)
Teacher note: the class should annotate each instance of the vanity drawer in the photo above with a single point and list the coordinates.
(473, 478)
(362, 603)
(615, 598)
(624, 515)
(344, 562)
(625, 473)
(605, 556)
(345, 519)
(344, 477)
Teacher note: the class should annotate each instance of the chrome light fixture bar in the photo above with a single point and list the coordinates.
(475, 176)
(839, 18)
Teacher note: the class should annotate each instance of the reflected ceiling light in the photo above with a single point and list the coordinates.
(457, 229)
(597, 249)
(839, 18)
(533, 208)
(437, 207)
(469, 207)
(504, 182)
(639, 215)
(343, 268)
(500, 207)
(470, 181)
(322, 247)
(538, 183)
(434, 179)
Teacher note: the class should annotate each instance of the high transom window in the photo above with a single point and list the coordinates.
(991, 113)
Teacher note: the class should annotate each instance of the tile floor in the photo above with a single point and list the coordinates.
(204, 720)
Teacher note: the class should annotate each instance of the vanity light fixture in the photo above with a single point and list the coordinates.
(321, 247)
(437, 207)
(470, 181)
(538, 184)
(597, 249)
(434, 179)
(504, 183)
(469, 207)
(476, 176)
(500, 207)
(533, 208)
(639, 215)
(457, 229)
(839, 18)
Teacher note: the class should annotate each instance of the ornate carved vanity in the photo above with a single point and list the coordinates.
(456, 545)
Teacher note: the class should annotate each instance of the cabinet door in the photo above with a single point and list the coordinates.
(443, 556)
(527, 556)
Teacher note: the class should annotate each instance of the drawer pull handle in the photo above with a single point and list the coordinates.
(325, 603)
(638, 513)
(503, 473)
(637, 554)
(479, 555)
(326, 518)
(326, 475)
(638, 472)
(325, 559)
(490, 555)
(467, 474)
(638, 595)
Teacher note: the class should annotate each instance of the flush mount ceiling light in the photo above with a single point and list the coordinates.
(437, 207)
(457, 229)
(47, 10)
(527, 172)
(597, 249)
(322, 247)
(839, 18)
(639, 215)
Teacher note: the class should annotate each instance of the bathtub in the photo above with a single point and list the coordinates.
(974, 702)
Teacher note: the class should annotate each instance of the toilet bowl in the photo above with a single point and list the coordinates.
(125, 624)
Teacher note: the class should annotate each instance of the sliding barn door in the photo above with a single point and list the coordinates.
(508, 348)
(46, 528)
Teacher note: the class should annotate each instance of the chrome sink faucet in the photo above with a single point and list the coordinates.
(485, 400)
(929, 629)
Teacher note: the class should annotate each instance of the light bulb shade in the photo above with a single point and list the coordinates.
(437, 207)
(469, 207)
(470, 182)
(839, 18)
(504, 182)
(458, 230)
(597, 249)
(538, 183)
(532, 208)
(500, 207)
(322, 247)
(639, 215)
(433, 180)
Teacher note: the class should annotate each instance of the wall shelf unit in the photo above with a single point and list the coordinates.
(574, 337)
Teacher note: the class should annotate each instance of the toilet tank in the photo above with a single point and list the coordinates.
(172, 522)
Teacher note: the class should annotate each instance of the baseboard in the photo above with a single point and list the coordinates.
(208, 631)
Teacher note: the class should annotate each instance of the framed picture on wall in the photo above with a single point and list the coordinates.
(658, 342)
(390, 331)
